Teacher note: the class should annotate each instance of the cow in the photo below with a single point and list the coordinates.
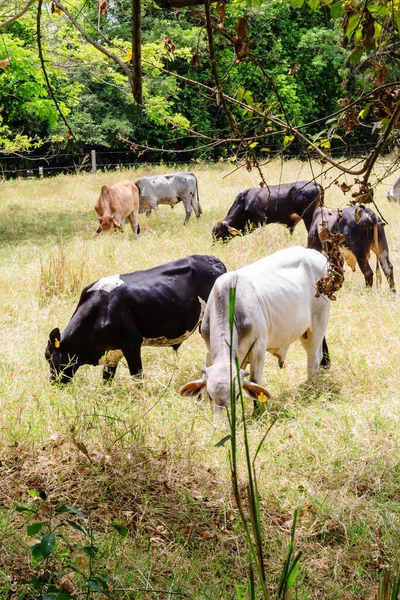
(118, 314)
(286, 203)
(362, 233)
(117, 203)
(393, 194)
(275, 305)
(169, 189)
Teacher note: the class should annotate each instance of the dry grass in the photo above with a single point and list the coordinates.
(333, 451)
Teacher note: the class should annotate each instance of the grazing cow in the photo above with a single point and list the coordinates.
(116, 203)
(287, 204)
(169, 189)
(393, 194)
(275, 305)
(362, 233)
(118, 314)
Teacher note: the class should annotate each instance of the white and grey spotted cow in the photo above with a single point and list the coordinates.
(169, 189)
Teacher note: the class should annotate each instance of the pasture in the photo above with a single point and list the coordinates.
(144, 458)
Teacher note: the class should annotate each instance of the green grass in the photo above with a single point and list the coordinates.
(333, 452)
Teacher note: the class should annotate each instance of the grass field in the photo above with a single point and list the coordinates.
(145, 459)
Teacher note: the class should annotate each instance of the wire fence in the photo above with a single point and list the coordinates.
(34, 166)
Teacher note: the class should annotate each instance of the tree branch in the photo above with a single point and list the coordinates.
(18, 15)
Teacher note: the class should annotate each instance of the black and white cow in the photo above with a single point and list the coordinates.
(286, 203)
(118, 314)
(169, 189)
(362, 233)
(275, 305)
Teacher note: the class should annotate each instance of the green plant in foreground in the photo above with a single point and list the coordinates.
(55, 552)
(389, 587)
(253, 529)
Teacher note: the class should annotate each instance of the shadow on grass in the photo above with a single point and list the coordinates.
(321, 389)
(18, 225)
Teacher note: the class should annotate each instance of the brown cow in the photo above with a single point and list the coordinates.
(116, 203)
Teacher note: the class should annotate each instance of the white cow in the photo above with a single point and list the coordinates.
(275, 305)
(169, 189)
(394, 192)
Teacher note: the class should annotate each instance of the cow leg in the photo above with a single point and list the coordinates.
(132, 355)
(366, 270)
(326, 361)
(256, 359)
(188, 209)
(133, 219)
(314, 342)
(195, 205)
(382, 256)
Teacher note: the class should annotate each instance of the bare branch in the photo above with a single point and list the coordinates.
(16, 16)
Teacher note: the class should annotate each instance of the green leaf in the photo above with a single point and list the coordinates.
(33, 493)
(64, 508)
(223, 441)
(48, 543)
(34, 529)
(294, 571)
(90, 550)
(123, 532)
(21, 509)
(78, 527)
(36, 550)
(288, 139)
(49, 596)
(93, 585)
(65, 596)
(253, 145)
(337, 9)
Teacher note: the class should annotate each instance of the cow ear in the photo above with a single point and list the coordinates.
(233, 231)
(55, 337)
(193, 388)
(256, 392)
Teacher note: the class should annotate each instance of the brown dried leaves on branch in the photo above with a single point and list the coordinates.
(332, 281)
(169, 46)
(240, 40)
(102, 7)
(350, 117)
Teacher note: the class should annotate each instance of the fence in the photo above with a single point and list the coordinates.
(30, 166)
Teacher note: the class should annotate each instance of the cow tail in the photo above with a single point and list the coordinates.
(198, 200)
(376, 245)
(321, 195)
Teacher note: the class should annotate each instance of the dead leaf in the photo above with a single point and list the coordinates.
(102, 7)
(82, 448)
(5, 62)
(358, 213)
(195, 61)
(69, 133)
(57, 438)
(241, 28)
(343, 186)
(169, 46)
(66, 585)
(221, 9)
(207, 535)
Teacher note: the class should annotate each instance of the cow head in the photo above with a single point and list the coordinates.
(223, 231)
(107, 223)
(216, 382)
(63, 366)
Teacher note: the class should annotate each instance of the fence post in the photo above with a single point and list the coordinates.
(93, 155)
(40, 172)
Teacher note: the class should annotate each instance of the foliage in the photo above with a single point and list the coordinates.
(59, 559)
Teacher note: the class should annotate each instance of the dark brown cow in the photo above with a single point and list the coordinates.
(286, 203)
(362, 233)
(116, 203)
